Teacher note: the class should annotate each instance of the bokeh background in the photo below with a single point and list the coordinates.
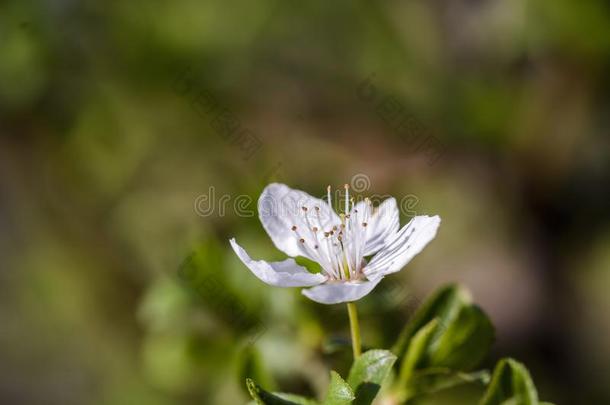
(136, 136)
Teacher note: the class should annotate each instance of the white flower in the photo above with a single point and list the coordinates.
(301, 225)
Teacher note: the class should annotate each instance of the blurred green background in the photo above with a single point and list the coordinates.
(117, 117)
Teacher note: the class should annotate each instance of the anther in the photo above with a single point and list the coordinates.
(304, 209)
(294, 227)
(315, 229)
(364, 224)
(302, 240)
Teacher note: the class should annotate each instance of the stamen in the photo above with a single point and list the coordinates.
(322, 256)
(347, 271)
(332, 258)
(339, 246)
(346, 186)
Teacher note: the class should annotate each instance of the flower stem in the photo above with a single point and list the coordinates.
(355, 328)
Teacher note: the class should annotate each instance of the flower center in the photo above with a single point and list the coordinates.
(338, 248)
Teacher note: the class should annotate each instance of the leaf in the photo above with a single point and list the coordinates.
(443, 304)
(460, 340)
(288, 399)
(448, 332)
(297, 399)
(262, 397)
(510, 383)
(368, 373)
(430, 381)
(417, 350)
(465, 341)
(339, 392)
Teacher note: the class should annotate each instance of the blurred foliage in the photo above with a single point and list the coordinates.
(103, 158)
(447, 332)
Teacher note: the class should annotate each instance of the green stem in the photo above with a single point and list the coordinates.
(355, 328)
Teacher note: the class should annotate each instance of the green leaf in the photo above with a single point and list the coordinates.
(460, 340)
(339, 392)
(443, 304)
(430, 381)
(290, 399)
(417, 350)
(465, 341)
(510, 384)
(262, 397)
(297, 399)
(368, 373)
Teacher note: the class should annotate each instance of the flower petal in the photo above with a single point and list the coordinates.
(338, 292)
(382, 223)
(280, 208)
(280, 274)
(408, 242)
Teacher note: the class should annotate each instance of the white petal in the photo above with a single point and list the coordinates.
(382, 223)
(338, 292)
(280, 208)
(280, 274)
(408, 242)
